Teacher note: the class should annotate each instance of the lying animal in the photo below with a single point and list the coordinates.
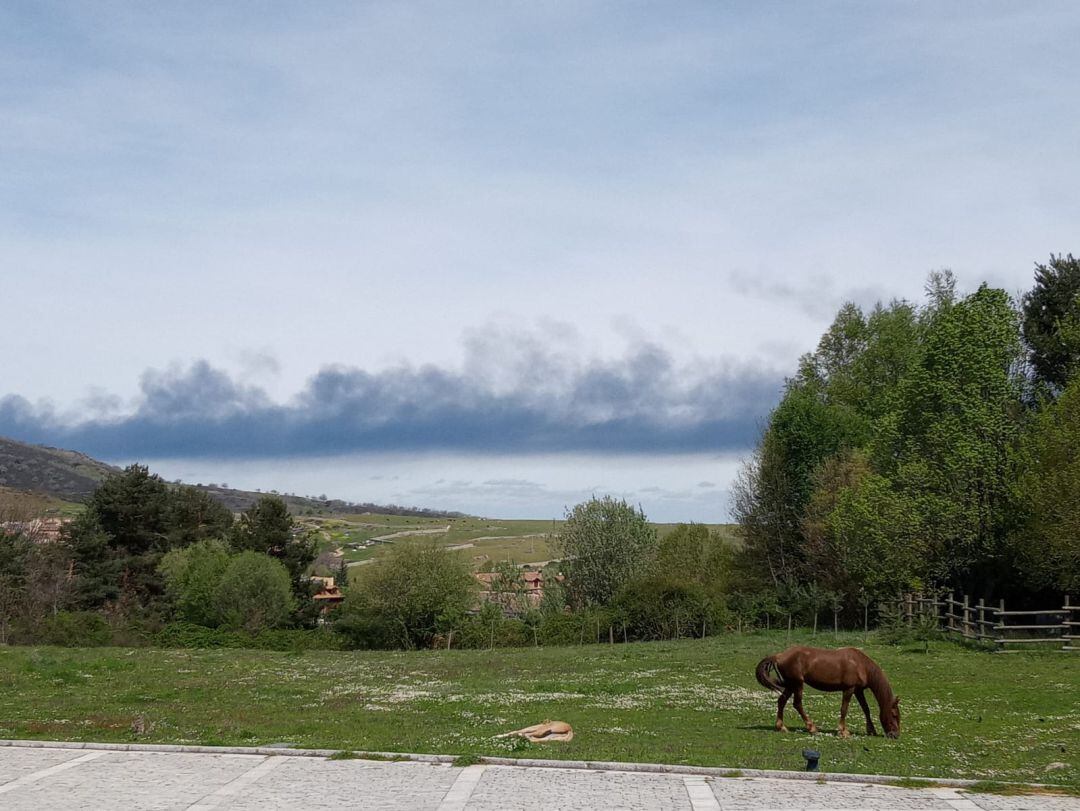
(542, 733)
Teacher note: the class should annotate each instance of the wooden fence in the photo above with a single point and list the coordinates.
(990, 623)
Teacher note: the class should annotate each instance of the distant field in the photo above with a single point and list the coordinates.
(38, 503)
(478, 539)
(965, 713)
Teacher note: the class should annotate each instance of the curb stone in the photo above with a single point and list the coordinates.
(590, 765)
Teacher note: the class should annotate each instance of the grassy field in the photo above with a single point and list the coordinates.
(966, 713)
(479, 539)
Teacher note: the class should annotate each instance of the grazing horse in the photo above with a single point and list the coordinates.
(846, 669)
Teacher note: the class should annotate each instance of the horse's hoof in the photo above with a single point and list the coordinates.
(845, 733)
(812, 729)
(781, 728)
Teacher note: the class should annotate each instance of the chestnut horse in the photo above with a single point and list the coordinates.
(846, 669)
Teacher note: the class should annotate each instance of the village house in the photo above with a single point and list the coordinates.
(328, 595)
(515, 597)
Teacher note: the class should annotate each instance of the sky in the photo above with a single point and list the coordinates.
(495, 257)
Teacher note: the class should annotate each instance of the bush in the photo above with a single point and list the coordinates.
(583, 627)
(489, 629)
(662, 608)
(255, 593)
(192, 578)
(406, 600)
(188, 635)
(76, 629)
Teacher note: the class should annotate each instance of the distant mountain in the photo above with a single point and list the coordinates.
(73, 476)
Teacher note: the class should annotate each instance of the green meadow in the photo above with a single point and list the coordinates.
(966, 713)
(480, 540)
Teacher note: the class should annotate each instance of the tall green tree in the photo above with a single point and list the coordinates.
(1051, 321)
(605, 543)
(948, 446)
(268, 527)
(118, 540)
(775, 485)
(692, 553)
(130, 522)
(1046, 544)
(194, 515)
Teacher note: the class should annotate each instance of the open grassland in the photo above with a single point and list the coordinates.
(479, 539)
(966, 713)
(17, 504)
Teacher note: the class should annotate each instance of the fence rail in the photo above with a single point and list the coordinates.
(980, 621)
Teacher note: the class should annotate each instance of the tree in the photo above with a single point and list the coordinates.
(130, 522)
(193, 515)
(14, 550)
(605, 543)
(1047, 542)
(118, 541)
(948, 446)
(406, 598)
(692, 553)
(775, 485)
(254, 593)
(862, 536)
(132, 508)
(267, 527)
(1051, 321)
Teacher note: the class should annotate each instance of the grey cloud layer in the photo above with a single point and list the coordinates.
(642, 402)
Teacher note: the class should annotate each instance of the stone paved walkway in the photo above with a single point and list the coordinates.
(37, 779)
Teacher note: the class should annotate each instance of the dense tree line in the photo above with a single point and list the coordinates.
(144, 553)
(921, 446)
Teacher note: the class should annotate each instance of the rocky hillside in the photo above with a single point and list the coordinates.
(66, 475)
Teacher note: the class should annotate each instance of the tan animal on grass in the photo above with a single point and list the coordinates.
(542, 733)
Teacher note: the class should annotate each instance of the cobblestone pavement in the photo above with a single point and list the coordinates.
(37, 779)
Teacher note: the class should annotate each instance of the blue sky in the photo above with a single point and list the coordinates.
(471, 246)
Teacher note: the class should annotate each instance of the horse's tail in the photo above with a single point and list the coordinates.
(763, 669)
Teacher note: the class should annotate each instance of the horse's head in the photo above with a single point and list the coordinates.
(890, 719)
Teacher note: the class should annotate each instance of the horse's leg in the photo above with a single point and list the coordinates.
(780, 704)
(843, 712)
(799, 709)
(861, 695)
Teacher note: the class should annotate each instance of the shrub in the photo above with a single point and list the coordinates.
(187, 635)
(255, 593)
(192, 578)
(408, 598)
(76, 629)
(662, 608)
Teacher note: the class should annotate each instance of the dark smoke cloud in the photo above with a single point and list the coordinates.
(512, 397)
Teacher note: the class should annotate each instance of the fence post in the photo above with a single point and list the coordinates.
(966, 628)
(949, 611)
(907, 608)
(982, 618)
(1066, 642)
(1001, 621)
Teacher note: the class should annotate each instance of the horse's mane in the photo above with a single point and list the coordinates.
(879, 684)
